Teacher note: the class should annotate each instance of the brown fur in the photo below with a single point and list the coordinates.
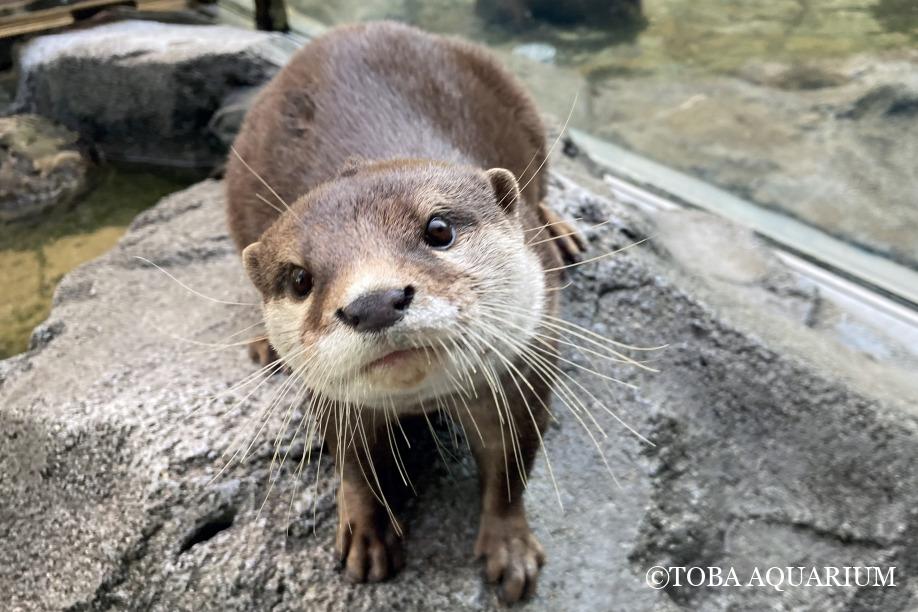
(365, 133)
(403, 94)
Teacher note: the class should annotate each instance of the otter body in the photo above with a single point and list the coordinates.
(387, 196)
(380, 92)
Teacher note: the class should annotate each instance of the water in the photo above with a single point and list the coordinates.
(807, 107)
(35, 254)
(712, 35)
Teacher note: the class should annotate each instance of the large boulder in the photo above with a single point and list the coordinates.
(41, 166)
(772, 444)
(145, 91)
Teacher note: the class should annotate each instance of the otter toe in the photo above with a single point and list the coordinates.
(369, 553)
(513, 558)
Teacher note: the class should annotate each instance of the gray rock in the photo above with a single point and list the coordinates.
(41, 166)
(225, 123)
(773, 445)
(884, 101)
(145, 91)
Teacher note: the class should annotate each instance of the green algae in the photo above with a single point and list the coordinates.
(36, 254)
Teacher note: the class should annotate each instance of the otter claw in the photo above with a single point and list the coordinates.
(367, 553)
(513, 558)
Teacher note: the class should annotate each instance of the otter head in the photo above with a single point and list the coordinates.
(384, 286)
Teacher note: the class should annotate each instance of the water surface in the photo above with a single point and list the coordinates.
(35, 254)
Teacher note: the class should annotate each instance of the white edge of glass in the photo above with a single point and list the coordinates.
(641, 177)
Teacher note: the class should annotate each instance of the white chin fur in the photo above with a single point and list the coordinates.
(335, 365)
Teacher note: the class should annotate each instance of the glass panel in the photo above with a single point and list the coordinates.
(806, 108)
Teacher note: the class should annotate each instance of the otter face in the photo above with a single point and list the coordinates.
(384, 286)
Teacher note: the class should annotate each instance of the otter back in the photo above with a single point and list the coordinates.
(379, 91)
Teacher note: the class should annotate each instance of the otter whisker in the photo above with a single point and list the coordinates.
(560, 236)
(606, 409)
(198, 332)
(308, 410)
(547, 154)
(215, 348)
(310, 419)
(308, 437)
(514, 438)
(435, 438)
(381, 496)
(468, 370)
(543, 367)
(190, 290)
(277, 399)
(552, 352)
(264, 373)
(457, 385)
(211, 347)
(269, 369)
(318, 471)
(561, 288)
(393, 447)
(358, 428)
(514, 373)
(584, 368)
(570, 114)
(272, 475)
(269, 410)
(265, 200)
(443, 409)
(466, 404)
(494, 386)
(578, 331)
(586, 350)
(258, 176)
(601, 256)
(539, 228)
(465, 434)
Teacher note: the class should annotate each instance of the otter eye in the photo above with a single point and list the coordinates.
(300, 282)
(439, 233)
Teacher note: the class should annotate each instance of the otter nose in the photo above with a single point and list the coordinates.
(377, 310)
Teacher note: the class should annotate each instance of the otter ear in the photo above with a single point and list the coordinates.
(251, 256)
(506, 190)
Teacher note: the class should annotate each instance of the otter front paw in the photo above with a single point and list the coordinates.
(569, 242)
(512, 554)
(369, 550)
(261, 352)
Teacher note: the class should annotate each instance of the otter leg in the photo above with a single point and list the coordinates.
(567, 239)
(511, 552)
(369, 536)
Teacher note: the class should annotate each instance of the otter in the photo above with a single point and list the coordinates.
(387, 197)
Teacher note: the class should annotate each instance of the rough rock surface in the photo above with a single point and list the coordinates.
(144, 91)
(772, 448)
(41, 166)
